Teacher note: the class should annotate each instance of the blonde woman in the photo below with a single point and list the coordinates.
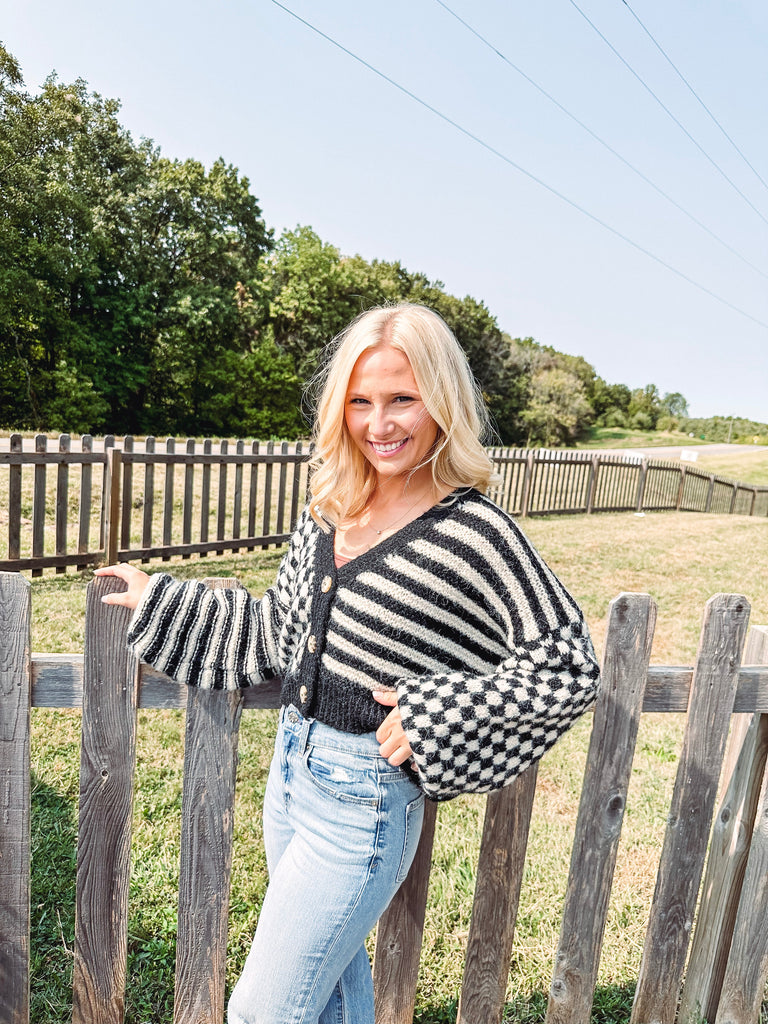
(424, 649)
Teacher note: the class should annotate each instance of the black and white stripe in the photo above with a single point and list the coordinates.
(489, 654)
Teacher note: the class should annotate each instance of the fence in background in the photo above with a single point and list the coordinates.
(721, 980)
(143, 500)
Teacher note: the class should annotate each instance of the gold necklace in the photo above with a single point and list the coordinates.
(384, 529)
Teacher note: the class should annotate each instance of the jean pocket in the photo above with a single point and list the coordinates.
(414, 816)
(341, 780)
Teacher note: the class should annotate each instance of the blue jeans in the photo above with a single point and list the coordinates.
(341, 826)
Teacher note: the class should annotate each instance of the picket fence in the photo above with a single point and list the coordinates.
(143, 500)
(715, 972)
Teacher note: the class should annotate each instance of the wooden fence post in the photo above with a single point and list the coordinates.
(497, 896)
(15, 699)
(594, 469)
(729, 849)
(641, 479)
(745, 975)
(682, 858)
(632, 619)
(530, 470)
(208, 805)
(399, 935)
(112, 505)
(108, 761)
(62, 500)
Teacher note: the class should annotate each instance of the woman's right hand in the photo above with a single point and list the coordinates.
(135, 579)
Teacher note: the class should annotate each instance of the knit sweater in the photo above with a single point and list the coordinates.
(488, 653)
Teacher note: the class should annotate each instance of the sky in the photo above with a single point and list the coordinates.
(651, 264)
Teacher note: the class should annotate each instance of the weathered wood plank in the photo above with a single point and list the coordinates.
(14, 501)
(108, 759)
(746, 971)
(399, 935)
(62, 499)
(221, 506)
(112, 505)
(14, 799)
(631, 623)
(189, 498)
(237, 495)
(49, 684)
(267, 509)
(149, 496)
(685, 842)
(38, 504)
(729, 849)
(205, 493)
(282, 481)
(57, 682)
(168, 498)
(126, 501)
(208, 806)
(497, 895)
(84, 510)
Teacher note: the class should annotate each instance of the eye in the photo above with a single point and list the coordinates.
(404, 398)
(358, 401)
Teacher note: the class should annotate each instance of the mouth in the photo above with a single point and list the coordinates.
(390, 448)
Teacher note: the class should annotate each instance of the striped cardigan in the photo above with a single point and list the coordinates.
(488, 653)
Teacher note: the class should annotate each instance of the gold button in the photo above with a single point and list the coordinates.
(312, 643)
(327, 583)
(303, 694)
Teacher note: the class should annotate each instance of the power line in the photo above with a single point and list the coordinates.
(666, 109)
(693, 92)
(517, 167)
(602, 141)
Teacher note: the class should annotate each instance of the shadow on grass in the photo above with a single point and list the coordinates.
(612, 1005)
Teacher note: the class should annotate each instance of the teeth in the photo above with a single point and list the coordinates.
(387, 447)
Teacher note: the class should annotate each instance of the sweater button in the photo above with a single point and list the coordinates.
(312, 643)
(327, 583)
(303, 695)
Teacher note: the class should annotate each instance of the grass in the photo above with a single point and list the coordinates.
(681, 559)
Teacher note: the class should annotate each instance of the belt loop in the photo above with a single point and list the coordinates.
(306, 725)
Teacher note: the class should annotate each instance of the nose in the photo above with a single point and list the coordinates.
(381, 421)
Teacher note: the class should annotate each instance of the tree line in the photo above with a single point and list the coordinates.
(140, 294)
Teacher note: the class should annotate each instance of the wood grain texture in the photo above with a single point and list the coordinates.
(14, 798)
(729, 849)
(399, 935)
(208, 806)
(746, 972)
(497, 895)
(631, 623)
(690, 816)
(108, 759)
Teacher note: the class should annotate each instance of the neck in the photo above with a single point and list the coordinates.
(403, 490)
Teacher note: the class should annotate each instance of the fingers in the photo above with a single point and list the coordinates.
(394, 745)
(388, 697)
(135, 579)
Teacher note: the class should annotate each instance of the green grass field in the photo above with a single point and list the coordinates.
(681, 559)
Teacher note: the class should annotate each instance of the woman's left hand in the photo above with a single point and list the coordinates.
(394, 743)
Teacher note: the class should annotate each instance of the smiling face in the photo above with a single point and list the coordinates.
(385, 415)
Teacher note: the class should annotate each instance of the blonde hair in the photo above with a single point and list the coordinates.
(342, 480)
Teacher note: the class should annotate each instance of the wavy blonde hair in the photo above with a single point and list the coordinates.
(342, 480)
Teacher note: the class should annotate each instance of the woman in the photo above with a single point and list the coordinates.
(423, 646)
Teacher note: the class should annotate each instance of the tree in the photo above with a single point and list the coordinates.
(122, 273)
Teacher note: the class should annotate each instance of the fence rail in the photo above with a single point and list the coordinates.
(721, 981)
(150, 499)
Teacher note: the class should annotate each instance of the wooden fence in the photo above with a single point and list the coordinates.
(148, 500)
(725, 977)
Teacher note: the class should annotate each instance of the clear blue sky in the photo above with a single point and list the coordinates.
(326, 142)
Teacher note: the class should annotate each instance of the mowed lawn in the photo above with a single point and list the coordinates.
(680, 559)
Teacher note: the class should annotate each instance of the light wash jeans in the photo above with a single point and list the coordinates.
(341, 826)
